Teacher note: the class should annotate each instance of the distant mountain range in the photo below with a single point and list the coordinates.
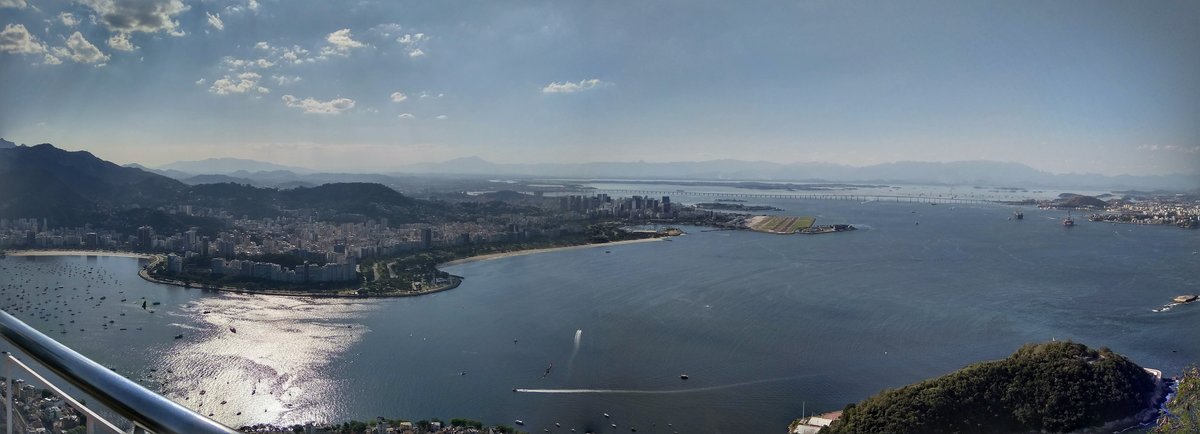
(224, 166)
(984, 173)
(988, 173)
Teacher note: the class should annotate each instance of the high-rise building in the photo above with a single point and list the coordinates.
(174, 263)
(225, 249)
(426, 238)
(190, 240)
(145, 237)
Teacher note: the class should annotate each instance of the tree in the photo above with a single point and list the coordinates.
(1183, 412)
(1053, 387)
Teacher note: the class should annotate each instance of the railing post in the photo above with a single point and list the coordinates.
(8, 396)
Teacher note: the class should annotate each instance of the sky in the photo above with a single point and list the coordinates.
(1108, 87)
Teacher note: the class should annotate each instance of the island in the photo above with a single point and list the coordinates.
(1048, 387)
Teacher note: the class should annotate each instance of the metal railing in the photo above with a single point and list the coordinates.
(146, 410)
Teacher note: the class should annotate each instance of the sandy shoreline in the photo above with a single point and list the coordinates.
(492, 256)
(146, 276)
(77, 253)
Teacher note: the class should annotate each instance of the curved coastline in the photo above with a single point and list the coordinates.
(455, 280)
(62, 252)
(502, 255)
(145, 275)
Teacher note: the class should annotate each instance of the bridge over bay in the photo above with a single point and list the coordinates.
(796, 195)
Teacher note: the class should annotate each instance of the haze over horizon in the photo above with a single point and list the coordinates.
(1072, 87)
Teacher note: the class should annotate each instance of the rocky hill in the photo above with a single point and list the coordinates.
(1050, 387)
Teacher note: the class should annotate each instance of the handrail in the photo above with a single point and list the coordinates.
(141, 406)
(93, 419)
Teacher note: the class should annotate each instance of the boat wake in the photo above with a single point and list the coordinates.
(661, 392)
(574, 351)
(1166, 307)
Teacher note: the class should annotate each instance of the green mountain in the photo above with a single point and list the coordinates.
(1050, 387)
(342, 201)
(73, 187)
(77, 188)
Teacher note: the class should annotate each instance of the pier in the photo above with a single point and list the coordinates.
(806, 196)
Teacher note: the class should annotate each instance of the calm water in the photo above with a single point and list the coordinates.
(761, 323)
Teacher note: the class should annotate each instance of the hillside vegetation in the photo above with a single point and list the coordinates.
(1183, 412)
(1050, 387)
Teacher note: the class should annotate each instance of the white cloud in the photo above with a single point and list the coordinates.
(441, 117)
(214, 20)
(284, 80)
(411, 38)
(424, 95)
(19, 4)
(251, 5)
(51, 60)
(570, 87)
(16, 39)
(242, 83)
(147, 16)
(201, 82)
(413, 42)
(68, 19)
(233, 64)
(398, 97)
(294, 54)
(406, 116)
(341, 42)
(120, 41)
(80, 50)
(309, 105)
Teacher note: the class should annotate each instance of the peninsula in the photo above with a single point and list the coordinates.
(333, 239)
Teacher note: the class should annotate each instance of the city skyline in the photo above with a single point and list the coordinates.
(1065, 88)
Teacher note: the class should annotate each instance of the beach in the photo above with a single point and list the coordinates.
(491, 256)
(144, 274)
(77, 253)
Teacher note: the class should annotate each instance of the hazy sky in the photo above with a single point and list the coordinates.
(1090, 86)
